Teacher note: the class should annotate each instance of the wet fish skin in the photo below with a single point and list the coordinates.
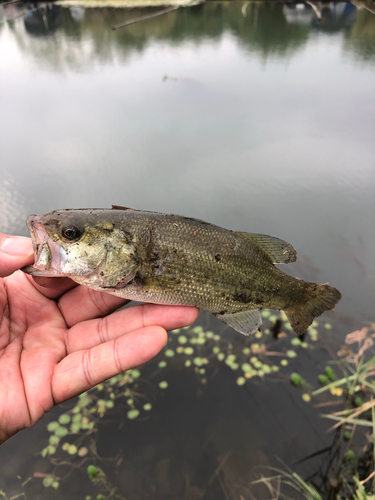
(170, 259)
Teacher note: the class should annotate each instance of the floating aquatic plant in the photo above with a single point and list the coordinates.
(195, 349)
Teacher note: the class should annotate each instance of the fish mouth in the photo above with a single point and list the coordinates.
(50, 257)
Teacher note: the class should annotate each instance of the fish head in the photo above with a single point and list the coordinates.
(83, 246)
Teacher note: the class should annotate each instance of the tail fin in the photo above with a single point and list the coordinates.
(319, 298)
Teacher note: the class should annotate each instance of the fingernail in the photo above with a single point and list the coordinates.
(18, 246)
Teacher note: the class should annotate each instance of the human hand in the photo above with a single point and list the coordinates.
(60, 340)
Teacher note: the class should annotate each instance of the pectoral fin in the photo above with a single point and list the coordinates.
(279, 251)
(245, 322)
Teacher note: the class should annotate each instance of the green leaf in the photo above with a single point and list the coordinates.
(246, 367)
(132, 414)
(53, 439)
(48, 481)
(61, 431)
(52, 426)
(64, 418)
(330, 373)
(75, 428)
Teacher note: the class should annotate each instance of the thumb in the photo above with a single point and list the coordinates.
(15, 252)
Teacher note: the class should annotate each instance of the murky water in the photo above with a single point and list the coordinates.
(256, 117)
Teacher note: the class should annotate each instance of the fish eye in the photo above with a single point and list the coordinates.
(71, 232)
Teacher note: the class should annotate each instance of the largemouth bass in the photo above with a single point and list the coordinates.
(169, 259)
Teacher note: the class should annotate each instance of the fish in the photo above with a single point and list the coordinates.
(176, 260)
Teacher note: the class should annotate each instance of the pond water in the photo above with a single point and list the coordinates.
(253, 116)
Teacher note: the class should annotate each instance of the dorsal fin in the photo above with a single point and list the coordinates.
(279, 251)
(119, 207)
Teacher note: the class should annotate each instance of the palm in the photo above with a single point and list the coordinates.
(57, 344)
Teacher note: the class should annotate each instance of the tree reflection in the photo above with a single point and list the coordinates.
(267, 29)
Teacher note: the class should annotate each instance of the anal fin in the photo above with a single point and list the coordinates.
(245, 322)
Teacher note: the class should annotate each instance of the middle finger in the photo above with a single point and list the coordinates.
(83, 303)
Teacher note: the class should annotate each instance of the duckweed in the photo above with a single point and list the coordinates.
(295, 341)
(52, 426)
(75, 428)
(169, 353)
(246, 367)
(48, 481)
(147, 406)
(72, 450)
(163, 384)
(61, 431)
(132, 414)
(241, 381)
(53, 439)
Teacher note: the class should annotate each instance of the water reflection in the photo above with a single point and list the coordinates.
(267, 29)
(44, 20)
(337, 17)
